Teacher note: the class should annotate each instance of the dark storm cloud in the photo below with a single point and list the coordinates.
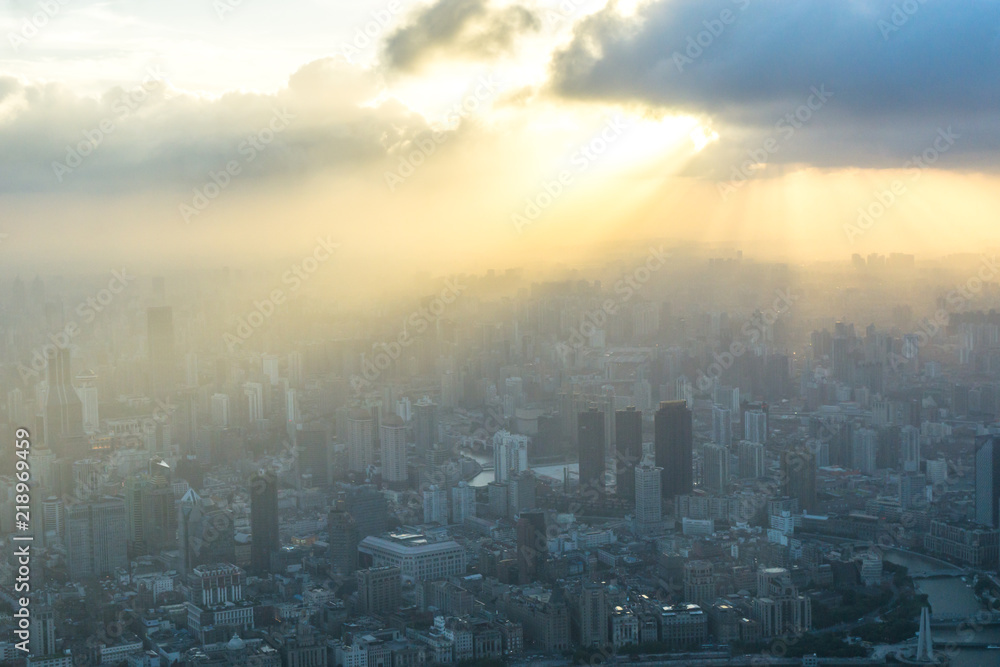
(146, 135)
(897, 70)
(468, 28)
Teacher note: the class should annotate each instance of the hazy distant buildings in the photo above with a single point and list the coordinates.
(220, 411)
(162, 354)
(672, 443)
(63, 420)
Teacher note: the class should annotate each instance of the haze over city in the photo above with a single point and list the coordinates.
(387, 333)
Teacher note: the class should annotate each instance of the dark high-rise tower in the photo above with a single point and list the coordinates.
(425, 425)
(63, 410)
(628, 439)
(263, 520)
(532, 544)
(590, 441)
(988, 481)
(672, 442)
(798, 476)
(162, 355)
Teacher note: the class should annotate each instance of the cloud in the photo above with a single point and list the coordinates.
(467, 28)
(148, 135)
(898, 72)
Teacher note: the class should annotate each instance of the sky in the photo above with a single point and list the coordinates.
(454, 135)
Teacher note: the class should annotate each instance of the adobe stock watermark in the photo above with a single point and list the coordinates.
(887, 198)
(87, 311)
(699, 42)
(785, 128)
(366, 35)
(563, 13)
(122, 108)
(585, 155)
(225, 7)
(250, 148)
(752, 330)
(31, 26)
(901, 14)
(416, 152)
(296, 276)
(420, 320)
(627, 287)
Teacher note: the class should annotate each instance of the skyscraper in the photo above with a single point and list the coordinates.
(393, 433)
(590, 439)
(425, 424)
(798, 475)
(755, 426)
(96, 537)
(910, 436)
(988, 481)
(435, 505)
(313, 459)
(64, 432)
(628, 453)
(162, 355)
(360, 440)
(648, 498)
(263, 520)
(716, 468)
(43, 632)
(673, 441)
(379, 589)
(343, 544)
(532, 544)
(722, 426)
(463, 502)
(752, 461)
(510, 455)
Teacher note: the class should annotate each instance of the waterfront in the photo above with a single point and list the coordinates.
(950, 596)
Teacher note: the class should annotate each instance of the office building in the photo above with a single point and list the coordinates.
(672, 443)
(648, 498)
(988, 481)
(417, 558)
(591, 446)
(63, 417)
(393, 438)
(379, 589)
(96, 537)
(360, 440)
(628, 450)
(263, 521)
(715, 475)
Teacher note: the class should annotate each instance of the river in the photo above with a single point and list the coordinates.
(951, 596)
